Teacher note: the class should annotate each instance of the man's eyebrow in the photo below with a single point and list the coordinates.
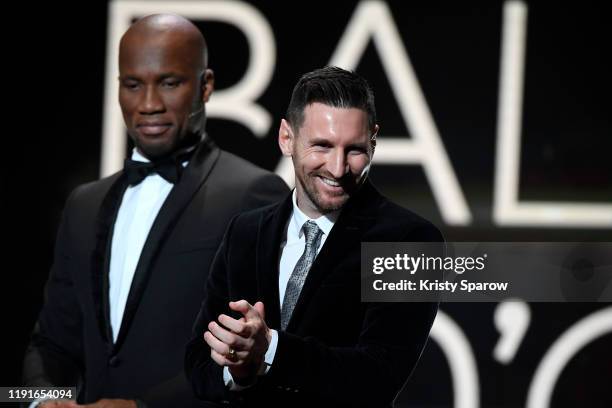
(323, 140)
(357, 145)
(160, 77)
(319, 139)
(128, 78)
(166, 75)
(360, 145)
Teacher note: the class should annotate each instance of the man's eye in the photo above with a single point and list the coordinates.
(170, 84)
(358, 151)
(130, 85)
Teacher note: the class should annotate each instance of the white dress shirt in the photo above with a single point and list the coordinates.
(139, 208)
(291, 250)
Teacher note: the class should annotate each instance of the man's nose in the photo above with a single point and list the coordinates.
(151, 101)
(337, 165)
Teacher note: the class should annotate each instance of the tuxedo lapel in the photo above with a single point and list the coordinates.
(353, 222)
(270, 235)
(100, 257)
(194, 175)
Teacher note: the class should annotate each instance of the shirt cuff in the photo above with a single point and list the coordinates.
(228, 380)
(231, 384)
(271, 352)
(39, 401)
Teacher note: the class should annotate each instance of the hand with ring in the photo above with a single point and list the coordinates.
(240, 344)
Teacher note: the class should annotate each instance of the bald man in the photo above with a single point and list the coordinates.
(133, 249)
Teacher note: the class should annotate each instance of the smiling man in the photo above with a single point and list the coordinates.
(282, 323)
(333, 158)
(133, 249)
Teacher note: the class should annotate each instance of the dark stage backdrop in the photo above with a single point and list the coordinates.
(495, 124)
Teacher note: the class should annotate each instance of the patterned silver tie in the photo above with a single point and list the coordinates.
(296, 281)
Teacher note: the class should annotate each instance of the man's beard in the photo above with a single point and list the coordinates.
(349, 187)
(316, 199)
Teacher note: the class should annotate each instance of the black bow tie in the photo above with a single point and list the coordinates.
(170, 168)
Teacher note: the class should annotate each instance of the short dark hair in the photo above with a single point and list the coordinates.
(334, 87)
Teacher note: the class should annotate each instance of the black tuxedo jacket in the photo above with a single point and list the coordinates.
(72, 340)
(336, 350)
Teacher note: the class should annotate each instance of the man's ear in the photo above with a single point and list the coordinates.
(373, 139)
(207, 81)
(286, 138)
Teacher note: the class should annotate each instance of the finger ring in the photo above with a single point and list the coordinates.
(231, 354)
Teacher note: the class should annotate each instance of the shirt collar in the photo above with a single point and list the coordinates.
(298, 219)
(137, 156)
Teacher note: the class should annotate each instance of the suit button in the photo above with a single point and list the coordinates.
(114, 361)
